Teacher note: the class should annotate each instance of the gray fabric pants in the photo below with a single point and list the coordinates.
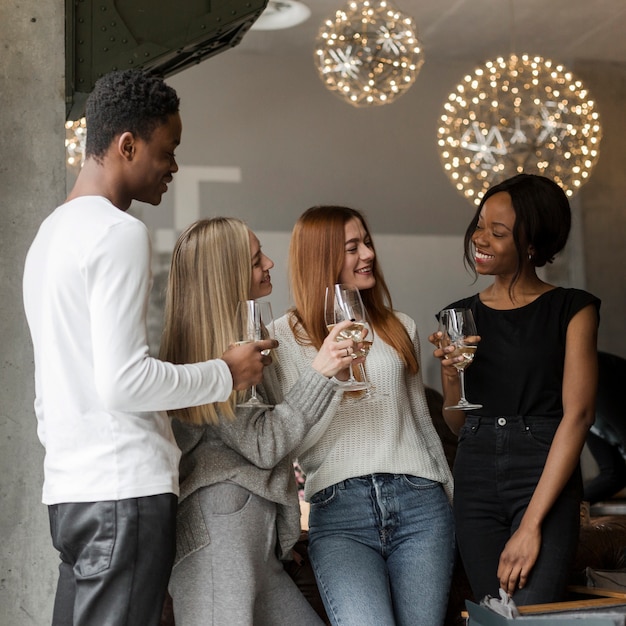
(232, 576)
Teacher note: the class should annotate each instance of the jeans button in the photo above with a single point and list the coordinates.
(502, 421)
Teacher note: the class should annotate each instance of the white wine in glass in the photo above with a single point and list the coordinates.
(371, 393)
(343, 302)
(458, 329)
(253, 322)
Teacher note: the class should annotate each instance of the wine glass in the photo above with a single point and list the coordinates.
(459, 330)
(344, 303)
(370, 392)
(254, 321)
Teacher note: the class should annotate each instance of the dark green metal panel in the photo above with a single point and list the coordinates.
(163, 36)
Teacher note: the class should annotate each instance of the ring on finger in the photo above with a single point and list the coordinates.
(347, 351)
(354, 355)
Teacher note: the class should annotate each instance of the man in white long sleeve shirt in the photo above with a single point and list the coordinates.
(111, 462)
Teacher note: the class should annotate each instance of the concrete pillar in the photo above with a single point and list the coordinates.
(32, 183)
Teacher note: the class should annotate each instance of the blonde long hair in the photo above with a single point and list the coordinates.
(316, 257)
(210, 273)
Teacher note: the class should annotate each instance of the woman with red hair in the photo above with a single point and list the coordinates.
(380, 527)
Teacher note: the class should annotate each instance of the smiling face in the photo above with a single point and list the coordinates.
(358, 263)
(495, 249)
(260, 280)
(154, 162)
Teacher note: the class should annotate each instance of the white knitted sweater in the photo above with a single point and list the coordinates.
(392, 434)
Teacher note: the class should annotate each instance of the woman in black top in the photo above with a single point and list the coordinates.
(517, 477)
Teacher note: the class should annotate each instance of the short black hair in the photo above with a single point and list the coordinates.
(126, 100)
(543, 218)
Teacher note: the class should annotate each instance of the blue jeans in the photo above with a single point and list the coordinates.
(498, 464)
(382, 548)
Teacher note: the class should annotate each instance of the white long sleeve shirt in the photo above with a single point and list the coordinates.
(99, 395)
(392, 433)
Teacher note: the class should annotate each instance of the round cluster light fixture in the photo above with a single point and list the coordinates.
(515, 115)
(369, 53)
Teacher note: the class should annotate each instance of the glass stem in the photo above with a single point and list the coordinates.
(363, 374)
(253, 394)
(462, 381)
(368, 389)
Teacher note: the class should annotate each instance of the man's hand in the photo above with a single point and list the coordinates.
(246, 362)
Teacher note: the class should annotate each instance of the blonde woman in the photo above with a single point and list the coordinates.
(238, 514)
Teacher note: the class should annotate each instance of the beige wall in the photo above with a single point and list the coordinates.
(603, 203)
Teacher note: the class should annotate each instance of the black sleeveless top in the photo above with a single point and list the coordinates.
(518, 367)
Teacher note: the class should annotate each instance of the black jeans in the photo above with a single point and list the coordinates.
(498, 464)
(116, 558)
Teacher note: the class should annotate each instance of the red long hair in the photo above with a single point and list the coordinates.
(316, 257)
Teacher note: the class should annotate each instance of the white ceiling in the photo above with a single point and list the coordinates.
(478, 30)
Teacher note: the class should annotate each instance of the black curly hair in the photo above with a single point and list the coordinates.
(127, 100)
(543, 219)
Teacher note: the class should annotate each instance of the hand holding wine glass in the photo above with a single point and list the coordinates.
(343, 302)
(335, 354)
(458, 329)
(253, 322)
